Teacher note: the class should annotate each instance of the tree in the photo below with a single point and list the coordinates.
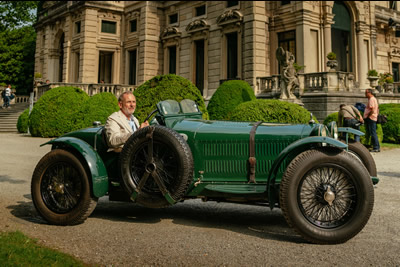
(17, 44)
(15, 14)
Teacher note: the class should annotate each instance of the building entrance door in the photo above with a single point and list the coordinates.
(105, 66)
(341, 37)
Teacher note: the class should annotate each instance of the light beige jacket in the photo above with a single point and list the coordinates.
(118, 130)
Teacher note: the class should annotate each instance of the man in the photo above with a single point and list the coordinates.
(347, 118)
(121, 124)
(370, 118)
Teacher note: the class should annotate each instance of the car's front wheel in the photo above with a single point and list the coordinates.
(61, 190)
(326, 195)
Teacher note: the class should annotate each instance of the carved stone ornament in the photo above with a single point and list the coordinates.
(197, 25)
(230, 16)
(170, 32)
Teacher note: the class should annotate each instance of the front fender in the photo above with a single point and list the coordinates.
(287, 151)
(96, 165)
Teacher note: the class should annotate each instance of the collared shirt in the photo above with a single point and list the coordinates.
(132, 124)
(371, 110)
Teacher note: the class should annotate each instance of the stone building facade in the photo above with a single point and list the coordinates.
(129, 42)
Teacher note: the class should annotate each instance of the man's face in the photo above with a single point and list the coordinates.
(128, 104)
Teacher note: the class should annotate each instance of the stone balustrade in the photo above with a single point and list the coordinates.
(90, 89)
(309, 82)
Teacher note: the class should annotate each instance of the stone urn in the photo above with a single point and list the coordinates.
(332, 64)
(373, 81)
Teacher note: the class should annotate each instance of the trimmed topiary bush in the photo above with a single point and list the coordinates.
(22, 124)
(364, 139)
(228, 96)
(391, 129)
(57, 112)
(97, 108)
(165, 87)
(268, 110)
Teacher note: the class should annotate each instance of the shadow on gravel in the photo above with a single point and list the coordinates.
(8, 179)
(255, 221)
(389, 174)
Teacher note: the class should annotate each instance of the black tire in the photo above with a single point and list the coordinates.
(362, 154)
(319, 176)
(61, 190)
(171, 161)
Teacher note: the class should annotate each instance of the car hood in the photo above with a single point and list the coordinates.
(222, 130)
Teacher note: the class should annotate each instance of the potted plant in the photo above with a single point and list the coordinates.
(332, 62)
(372, 77)
(386, 80)
(298, 67)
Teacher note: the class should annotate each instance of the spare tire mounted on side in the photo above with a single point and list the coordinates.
(156, 166)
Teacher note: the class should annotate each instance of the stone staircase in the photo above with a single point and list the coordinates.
(9, 117)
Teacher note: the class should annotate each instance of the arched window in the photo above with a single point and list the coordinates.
(342, 37)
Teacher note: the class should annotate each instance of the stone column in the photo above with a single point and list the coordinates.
(362, 56)
(88, 51)
(328, 21)
(255, 42)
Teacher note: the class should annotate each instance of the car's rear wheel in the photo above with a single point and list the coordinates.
(156, 166)
(61, 190)
(326, 195)
(361, 153)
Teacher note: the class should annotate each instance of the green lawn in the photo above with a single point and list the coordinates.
(16, 249)
(389, 146)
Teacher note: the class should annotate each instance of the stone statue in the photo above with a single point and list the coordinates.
(289, 80)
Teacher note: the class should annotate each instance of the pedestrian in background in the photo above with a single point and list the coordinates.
(347, 117)
(370, 117)
(6, 98)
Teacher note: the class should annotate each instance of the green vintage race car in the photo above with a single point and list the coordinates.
(323, 186)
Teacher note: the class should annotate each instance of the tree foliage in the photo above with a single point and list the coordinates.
(15, 14)
(17, 57)
(17, 44)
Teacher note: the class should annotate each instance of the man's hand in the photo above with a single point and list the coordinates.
(144, 124)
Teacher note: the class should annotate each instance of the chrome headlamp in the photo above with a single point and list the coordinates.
(333, 130)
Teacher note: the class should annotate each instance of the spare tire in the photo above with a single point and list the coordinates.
(156, 166)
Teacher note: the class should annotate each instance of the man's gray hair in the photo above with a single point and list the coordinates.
(121, 96)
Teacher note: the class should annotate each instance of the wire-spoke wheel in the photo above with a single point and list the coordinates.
(156, 166)
(326, 195)
(61, 190)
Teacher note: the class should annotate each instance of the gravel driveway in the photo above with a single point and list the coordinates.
(194, 233)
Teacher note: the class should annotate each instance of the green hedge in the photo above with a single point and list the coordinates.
(268, 110)
(97, 108)
(57, 112)
(165, 87)
(22, 124)
(391, 129)
(364, 139)
(228, 96)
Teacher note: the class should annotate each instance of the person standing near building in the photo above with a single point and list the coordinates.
(7, 95)
(347, 118)
(370, 117)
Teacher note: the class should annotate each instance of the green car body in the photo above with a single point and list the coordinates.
(242, 162)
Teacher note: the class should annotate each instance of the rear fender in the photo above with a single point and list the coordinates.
(94, 163)
(305, 142)
(349, 130)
